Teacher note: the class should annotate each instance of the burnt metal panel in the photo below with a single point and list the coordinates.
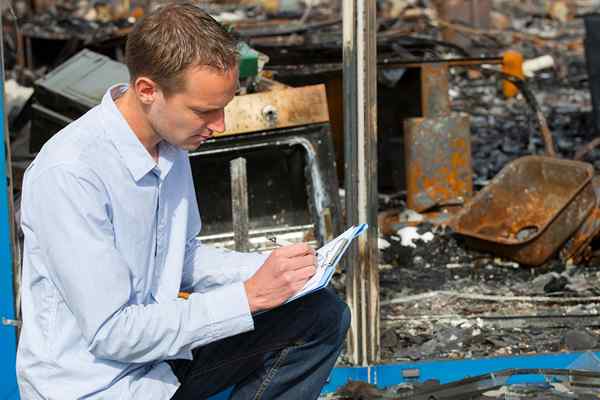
(291, 180)
(438, 161)
(437, 147)
(435, 101)
(79, 84)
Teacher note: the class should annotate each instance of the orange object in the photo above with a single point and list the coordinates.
(512, 63)
(183, 295)
(137, 13)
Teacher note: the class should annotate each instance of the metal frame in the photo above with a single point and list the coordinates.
(324, 202)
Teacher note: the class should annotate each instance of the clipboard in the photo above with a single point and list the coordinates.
(328, 257)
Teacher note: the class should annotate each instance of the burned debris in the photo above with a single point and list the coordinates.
(489, 194)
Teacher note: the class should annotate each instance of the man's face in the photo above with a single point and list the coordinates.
(189, 117)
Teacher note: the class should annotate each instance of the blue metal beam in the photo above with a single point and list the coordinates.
(8, 342)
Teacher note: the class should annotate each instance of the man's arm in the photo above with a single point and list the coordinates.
(207, 267)
(268, 280)
(68, 210)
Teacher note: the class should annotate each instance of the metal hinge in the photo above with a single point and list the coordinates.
(11, 322)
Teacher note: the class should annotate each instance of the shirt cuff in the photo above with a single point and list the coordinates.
(254, 263)
(227, 311)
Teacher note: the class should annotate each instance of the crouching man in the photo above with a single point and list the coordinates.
(110, 219)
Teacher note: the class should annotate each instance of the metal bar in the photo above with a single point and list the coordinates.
(491, 298)
(260, 233)
(20, 49)
(453, 62)
(239, 203)
(360, 129)
(435, 101)
(8, 339)
(531, 100)
(28, 53)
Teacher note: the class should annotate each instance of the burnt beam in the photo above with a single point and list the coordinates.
(239, 204)
(360, 130)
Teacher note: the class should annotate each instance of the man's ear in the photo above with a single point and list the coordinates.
(146, 90)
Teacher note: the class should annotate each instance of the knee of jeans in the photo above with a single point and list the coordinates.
(345, 319)
(334, 316)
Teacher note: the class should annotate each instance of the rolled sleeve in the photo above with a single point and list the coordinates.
(207, 267)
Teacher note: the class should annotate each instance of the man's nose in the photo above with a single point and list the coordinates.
(217, 123)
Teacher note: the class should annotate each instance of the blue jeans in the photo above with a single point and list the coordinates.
(288, 355)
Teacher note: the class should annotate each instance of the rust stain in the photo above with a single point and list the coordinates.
(577, 247)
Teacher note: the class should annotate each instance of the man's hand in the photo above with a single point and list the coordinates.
(284, 273)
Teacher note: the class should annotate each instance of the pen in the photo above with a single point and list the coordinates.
(280, 242)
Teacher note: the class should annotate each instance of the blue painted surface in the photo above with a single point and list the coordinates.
(8, 340)
(341, 375)
(447, 371)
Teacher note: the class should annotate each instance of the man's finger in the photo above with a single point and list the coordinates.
(303, 276)
(300, 276)
(307, 272)
(295, 250)
(300, 262)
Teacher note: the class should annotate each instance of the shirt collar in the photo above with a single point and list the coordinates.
(132, 151)
(167, 154)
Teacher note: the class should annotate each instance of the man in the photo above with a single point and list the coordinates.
(110, 220)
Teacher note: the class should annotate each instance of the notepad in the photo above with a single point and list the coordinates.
(328, 257)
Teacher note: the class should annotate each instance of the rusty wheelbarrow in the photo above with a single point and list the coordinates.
(529, 209)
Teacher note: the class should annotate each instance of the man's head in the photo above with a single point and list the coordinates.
(183, 71)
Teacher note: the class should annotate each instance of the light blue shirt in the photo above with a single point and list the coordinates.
(110, 240)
